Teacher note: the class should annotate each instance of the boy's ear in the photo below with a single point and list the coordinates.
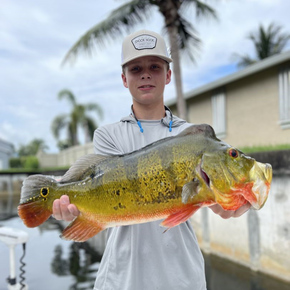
(124, 80)
(168, 77)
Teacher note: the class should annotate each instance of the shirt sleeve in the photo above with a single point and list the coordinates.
(104, 143)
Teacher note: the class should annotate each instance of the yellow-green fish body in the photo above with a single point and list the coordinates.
(169, 179)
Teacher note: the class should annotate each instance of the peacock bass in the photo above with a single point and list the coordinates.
(169, 179)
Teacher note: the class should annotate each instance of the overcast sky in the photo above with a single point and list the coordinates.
(35, 36)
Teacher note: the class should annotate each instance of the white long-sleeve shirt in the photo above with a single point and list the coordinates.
(142, 257)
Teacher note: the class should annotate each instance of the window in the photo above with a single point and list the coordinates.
(218, 102)
(284, 97)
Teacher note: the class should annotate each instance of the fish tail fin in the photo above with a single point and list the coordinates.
(81, 229)
(35, 205)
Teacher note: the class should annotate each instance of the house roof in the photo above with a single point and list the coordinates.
(249, 70)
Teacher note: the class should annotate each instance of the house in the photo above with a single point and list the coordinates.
(248, 108)
(6, 152)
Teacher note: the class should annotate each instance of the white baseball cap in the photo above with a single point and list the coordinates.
(144, 43)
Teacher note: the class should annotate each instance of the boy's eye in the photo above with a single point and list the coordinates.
(155, 66)
(135, 69)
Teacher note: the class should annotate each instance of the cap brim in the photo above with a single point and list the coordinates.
(167, 59)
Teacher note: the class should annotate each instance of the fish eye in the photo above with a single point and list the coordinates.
(234, 153)
(44, 191)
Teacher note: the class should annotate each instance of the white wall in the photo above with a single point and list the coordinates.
(65, 157)
(258, 239)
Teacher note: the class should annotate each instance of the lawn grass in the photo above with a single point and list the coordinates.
(255, 149)
(36, 171)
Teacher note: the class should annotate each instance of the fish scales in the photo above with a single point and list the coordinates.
(169, 179)
(148, 179)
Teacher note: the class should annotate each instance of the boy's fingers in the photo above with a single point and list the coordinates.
(73, 210)
(225, 214)
(56, 210)
(242, 210)
(63, 210)
(65, 213)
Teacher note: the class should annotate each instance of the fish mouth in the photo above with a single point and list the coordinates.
(262, 174)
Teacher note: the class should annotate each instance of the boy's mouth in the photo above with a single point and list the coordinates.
(145, 87)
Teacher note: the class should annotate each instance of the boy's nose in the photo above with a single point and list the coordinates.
(146, 76)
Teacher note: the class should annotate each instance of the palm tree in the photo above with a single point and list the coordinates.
(182, 34)
(77, 117)
(32, 148)
(267, 42)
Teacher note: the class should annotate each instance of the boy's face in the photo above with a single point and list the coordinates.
(146, 78)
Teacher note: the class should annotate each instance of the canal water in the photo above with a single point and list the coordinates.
(53, 263)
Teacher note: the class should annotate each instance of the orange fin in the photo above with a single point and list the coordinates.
(179, 216)
(33, 214)
(81, 229)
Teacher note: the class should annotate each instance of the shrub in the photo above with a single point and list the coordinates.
(26, 162)
(15, 162)
(30, 162)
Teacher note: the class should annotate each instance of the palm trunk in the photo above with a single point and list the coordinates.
(169, 10)
(180, 101)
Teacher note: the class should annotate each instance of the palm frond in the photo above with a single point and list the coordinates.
(58, 124)
(91, 126)
(269, 41)
(96, 108)
(281, 43)
(202, 10)
(67, 94)
(188, 41)
(243, 60)
(119, 20)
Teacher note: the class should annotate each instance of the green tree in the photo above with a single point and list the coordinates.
(267, 42)
(182, 35)
(77, 117)
(32, 148)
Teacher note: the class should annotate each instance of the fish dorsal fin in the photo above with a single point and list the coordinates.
(83, 167)
(198, 129)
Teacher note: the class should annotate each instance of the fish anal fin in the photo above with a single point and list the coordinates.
(189, 190)
(81, 229)
(83, 167)
(180, 216)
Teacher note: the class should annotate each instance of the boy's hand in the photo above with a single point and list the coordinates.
(225, 214)
(62, 209)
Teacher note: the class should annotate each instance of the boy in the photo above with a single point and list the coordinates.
(142, 257)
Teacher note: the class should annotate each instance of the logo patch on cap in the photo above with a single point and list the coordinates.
(144, 41)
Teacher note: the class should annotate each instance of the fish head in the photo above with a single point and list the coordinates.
(38, 189)
(36, 200)
(234, 177)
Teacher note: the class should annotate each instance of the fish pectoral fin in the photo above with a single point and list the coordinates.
(83, 167)
(189, 190)
(81, 229)
(180, 216)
